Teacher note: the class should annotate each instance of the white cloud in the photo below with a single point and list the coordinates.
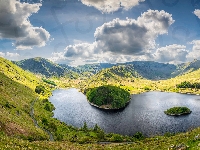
(15, 25)
(121, 40)
(171, 53)
(83, 50)
(197, 13)
(195, 53)
(12, 55)
(108, 6)
(2, 54)
(9, 55)
(133, 37)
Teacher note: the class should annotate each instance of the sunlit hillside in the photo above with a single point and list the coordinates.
(170, 84)
(17, 74)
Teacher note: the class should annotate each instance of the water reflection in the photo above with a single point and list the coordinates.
(144, 113)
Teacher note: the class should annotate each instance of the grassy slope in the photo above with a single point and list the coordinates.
(125, 81)
(170, 84)
(15, 102)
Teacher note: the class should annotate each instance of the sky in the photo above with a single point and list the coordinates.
(78, 32)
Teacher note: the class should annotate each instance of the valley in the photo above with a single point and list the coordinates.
(18, 81)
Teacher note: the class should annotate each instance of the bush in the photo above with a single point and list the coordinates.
(138, 135)
(146, 88)
(44, 121)
(39, 89)
(116, 138)
(49, 107)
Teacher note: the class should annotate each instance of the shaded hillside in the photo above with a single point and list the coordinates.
(47, 68)
(152, 70)
(93, 68)
(41, 66)
(146, 69)
(187, 67)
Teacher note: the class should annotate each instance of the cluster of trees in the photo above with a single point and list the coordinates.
(108, 95)
(187, 84)
(177, 111)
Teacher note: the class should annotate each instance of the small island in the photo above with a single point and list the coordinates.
(177, 111)
(108, 97)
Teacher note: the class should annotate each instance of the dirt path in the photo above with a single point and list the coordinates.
(36, 123)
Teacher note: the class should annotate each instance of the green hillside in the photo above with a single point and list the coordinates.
(171, 84)
(118, 77)
(43, 67)
(187, 67)
(15, 100)
(17, 74)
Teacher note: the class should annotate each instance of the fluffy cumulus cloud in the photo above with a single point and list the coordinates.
(121, 40)
(133, 37)
(83, 50)
(15, 25)
(107, 6)
(197, 13)
(171, 53)
(195, 53)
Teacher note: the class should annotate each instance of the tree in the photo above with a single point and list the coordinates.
(85, 127)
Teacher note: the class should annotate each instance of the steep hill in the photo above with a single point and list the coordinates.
(18, 74)
(41, 66)
(187, 67)
(118, 76)
(16, 94)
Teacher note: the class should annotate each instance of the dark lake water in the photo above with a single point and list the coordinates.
(143, 114)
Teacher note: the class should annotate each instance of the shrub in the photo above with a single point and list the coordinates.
(138, 135)
(116, 138)
(39, 89)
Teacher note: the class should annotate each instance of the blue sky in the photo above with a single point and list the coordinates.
(92, 31)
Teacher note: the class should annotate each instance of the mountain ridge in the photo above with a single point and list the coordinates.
(146, 69)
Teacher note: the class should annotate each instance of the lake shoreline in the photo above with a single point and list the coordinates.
(109, 109)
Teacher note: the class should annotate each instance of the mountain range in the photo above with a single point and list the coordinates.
(144, 69)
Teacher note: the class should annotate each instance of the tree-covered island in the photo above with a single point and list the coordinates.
(176, 111)
(108, 97)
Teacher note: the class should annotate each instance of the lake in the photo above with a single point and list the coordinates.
(145, 113)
